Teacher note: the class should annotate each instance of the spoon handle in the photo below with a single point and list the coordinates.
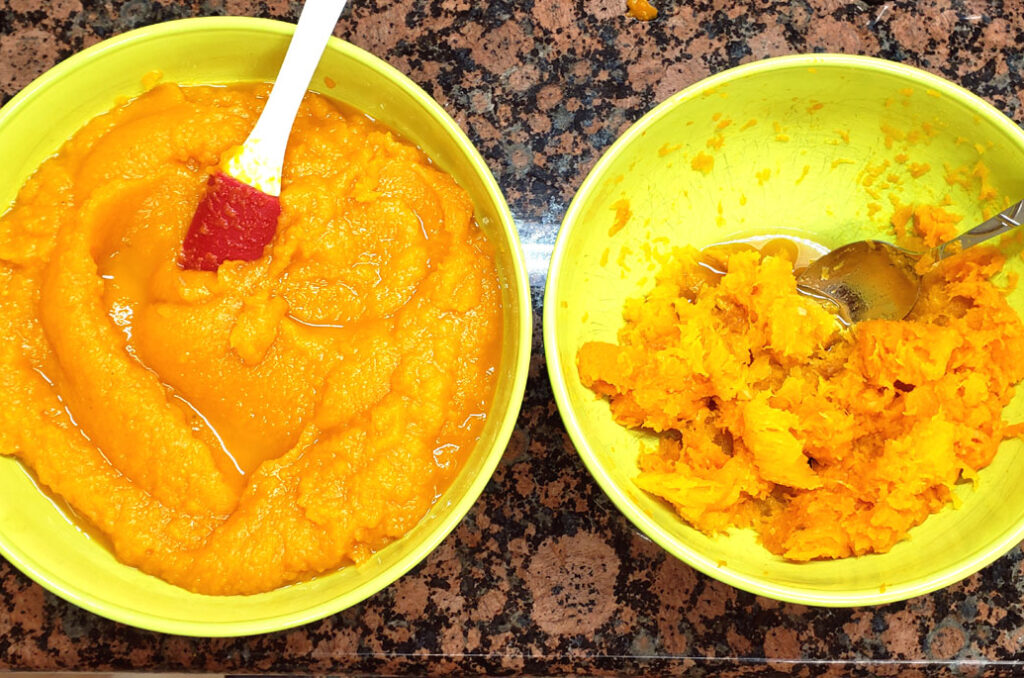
(262, 155)
(1007, 220)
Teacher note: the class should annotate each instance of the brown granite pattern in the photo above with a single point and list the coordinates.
(544, 576)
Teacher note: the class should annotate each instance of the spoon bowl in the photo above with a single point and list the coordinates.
(875, 280)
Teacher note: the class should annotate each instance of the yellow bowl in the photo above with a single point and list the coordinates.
(786, 145)
(34, 535)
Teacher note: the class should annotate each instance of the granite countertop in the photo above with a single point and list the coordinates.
(544, 575)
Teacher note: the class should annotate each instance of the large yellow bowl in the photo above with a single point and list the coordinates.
(823, 125)
(39, 539)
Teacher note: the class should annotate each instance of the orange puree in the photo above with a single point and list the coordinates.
(237, 430)
(641, 9)
(828, 441)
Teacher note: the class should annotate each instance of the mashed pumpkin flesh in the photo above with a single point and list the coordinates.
(828, 441)
(237, 430)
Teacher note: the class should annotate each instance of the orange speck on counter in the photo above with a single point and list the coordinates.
(841, 161)
(702, 162)
(622, 216)
(749, 123)
(329, 82)
(667, 149)
(767, 413)
(641, 9)
(239, 430)
(722, 124)
(763, 176)
(715, 142)
(604, 256)
(815, 107)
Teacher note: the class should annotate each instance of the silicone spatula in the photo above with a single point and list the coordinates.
(238, 215)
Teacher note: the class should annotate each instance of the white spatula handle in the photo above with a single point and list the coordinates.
(262, 156)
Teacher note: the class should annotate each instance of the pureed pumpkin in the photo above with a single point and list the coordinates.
(238, 430)
(829, 441)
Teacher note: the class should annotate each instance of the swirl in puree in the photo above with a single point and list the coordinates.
(238, 430)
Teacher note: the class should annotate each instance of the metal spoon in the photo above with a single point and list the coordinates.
(874, 280)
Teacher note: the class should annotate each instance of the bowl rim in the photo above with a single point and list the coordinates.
(517, 282)
(647, 525)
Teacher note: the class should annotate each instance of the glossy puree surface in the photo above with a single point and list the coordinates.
(237, 430)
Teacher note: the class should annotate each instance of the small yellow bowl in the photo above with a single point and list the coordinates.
(803, 146)
(34, 535)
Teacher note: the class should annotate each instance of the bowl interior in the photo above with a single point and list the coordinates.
(34, 534)
(802, 146)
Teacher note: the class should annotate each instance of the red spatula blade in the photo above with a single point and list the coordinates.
(234, 221)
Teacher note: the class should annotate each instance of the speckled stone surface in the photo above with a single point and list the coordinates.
(544, 576)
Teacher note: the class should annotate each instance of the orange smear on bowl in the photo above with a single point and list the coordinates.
(703, 163)
(933, 225)
(622, 216)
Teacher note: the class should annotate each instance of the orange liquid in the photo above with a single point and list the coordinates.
(305, 409)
